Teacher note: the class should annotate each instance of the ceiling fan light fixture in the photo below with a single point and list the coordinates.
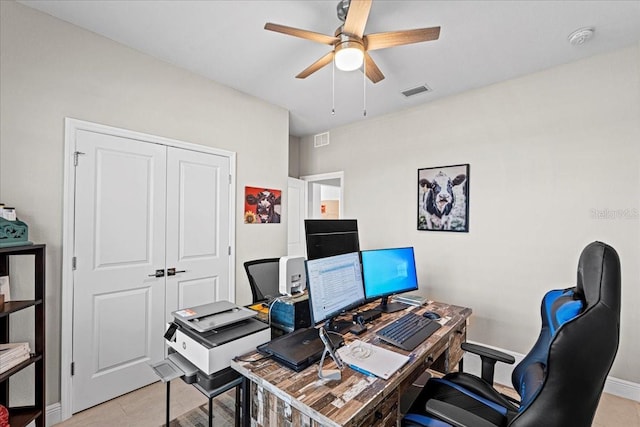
(349, 55)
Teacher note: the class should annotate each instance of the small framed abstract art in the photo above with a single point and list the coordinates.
(443, 198)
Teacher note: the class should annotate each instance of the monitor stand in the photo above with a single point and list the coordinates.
(387, 307)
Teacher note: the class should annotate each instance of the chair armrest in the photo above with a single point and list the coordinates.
(421, 381)
(489, 358)
(454, 415)
(488, 352)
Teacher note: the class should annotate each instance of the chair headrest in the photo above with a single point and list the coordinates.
(599, 276)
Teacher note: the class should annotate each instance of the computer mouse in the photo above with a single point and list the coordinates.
(431, 315)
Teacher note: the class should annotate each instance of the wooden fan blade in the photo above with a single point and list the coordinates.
(303, 34)
(398, 38)
(371, 69)
(316, 66)
(357, 16)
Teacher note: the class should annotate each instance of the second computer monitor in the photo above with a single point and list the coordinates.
(335, 285)
(389, 272)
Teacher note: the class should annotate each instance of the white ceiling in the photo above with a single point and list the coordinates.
(481, 43)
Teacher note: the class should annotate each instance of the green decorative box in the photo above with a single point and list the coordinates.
(13, 233)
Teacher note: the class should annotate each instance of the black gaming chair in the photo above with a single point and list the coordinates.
(263, 275)
(561, 379)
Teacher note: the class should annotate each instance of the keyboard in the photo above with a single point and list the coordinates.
(409, 331)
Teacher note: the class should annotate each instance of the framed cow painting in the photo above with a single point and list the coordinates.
(443, 198)
(262, 205)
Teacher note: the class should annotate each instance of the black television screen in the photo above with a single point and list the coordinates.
(329, 237)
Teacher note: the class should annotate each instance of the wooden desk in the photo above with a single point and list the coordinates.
(280, 396)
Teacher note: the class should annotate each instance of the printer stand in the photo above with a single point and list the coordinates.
(239, 383)
(175, 366)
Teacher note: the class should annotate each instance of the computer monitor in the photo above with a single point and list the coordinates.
(388, 272)
(329, 237)
(335, 286)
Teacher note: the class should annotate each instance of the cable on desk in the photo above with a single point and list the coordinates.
(336, 333)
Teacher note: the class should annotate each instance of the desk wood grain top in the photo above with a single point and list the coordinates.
(348, 401)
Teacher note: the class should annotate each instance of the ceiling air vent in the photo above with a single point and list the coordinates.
(321, 139)
(416, 90)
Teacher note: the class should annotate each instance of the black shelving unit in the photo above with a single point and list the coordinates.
(22, 416)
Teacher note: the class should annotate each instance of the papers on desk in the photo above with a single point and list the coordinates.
(370, 359)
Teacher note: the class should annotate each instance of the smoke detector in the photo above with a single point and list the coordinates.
(581, 36)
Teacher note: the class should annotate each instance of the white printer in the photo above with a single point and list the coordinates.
(210, 335)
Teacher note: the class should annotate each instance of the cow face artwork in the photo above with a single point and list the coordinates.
(443, 200)
(262, 206)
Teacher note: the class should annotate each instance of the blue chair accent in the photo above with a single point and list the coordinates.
(560, 380)
(426, 421)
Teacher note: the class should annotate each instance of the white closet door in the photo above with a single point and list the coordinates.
(118, 305)
(197, 229)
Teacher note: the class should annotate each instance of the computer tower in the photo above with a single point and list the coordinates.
(291, 313)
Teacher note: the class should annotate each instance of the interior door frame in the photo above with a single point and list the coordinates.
(318, 179)
(71, 127)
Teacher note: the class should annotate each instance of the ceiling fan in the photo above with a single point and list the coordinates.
(350, 46)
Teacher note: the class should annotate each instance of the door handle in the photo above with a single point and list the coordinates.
(158, 273)
(172, 271)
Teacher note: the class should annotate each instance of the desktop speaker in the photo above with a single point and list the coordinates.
(292, 277)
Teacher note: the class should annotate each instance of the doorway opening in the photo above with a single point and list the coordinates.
(325, 195)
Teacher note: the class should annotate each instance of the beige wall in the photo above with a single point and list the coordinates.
(548, 152)
(50, 70)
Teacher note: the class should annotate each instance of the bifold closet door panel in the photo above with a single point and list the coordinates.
(118, 302)
(197, 229)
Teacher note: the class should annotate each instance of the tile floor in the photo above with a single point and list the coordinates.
(146, 408)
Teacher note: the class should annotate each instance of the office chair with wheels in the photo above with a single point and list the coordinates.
(263, 277)
(561, 379)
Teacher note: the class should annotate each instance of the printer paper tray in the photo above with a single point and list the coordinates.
(175, 366)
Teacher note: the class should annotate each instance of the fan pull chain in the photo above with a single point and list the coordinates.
(333, 87)
(364, 89)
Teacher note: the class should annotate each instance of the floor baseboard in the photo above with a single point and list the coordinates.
(622, 388)
(54, 412)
